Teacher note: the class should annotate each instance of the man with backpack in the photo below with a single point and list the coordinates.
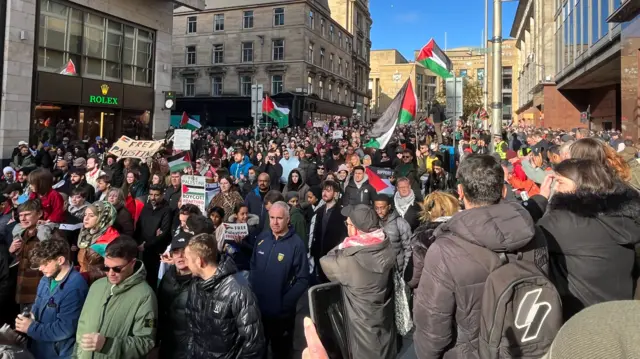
(484, 288)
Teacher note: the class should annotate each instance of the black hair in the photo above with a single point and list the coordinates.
(273, 196)
(482, 179)
(155, 187)
(238, 207)
(190, 209)
(382, 198)
(216, 209)
(122, 247)
(199, 224)
(331, 184)
(80, 191)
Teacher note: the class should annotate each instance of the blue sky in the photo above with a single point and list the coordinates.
(407, 25)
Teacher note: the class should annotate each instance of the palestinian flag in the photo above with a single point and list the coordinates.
(69, 69)
(275, 112)
(179, 162)
(380, 184)
(434, 59)
(189, 123)
(401, 111)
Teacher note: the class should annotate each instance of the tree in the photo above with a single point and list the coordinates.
(471, 96)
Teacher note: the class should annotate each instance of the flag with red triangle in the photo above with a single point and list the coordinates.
(69, 69)
(380, 183)
(179, 161)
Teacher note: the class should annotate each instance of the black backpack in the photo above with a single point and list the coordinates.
(521, 310)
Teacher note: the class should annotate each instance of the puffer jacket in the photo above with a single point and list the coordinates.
(591, 239)
(172, 303)
(447, 305)
(398, 232)
(223, 316)
(421, 240)
(354, 195)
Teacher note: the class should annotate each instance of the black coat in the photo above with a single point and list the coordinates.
(274, 172)
(412, 215)
(591, 239)
(149, 222)
(172, 195)
(334, 234)
(173, 331)
(124, 221)
(354, 195)
(223, 317)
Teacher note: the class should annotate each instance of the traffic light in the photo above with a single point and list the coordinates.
(169, 100)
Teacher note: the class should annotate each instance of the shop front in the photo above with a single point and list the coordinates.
(83, 109)
(311, 107)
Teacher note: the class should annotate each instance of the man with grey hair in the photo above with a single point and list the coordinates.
(279, 276)
(565, 150)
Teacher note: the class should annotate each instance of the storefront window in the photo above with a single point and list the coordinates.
(97, 122)
(136, 124)
(54, 122)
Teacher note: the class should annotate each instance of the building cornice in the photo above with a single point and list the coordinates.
(518, 20)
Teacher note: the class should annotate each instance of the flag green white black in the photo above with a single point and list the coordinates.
(189, 123)
(433, 58)
(179, 161)
(401, 111)
(278, 113)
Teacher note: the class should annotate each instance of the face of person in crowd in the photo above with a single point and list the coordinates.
(112, 198)
(424, 149)
(175, 179)
(101, 186)
(51, 268)
(21, 176)
(382, 208)
(358, 175)
(323, 151)
(179, 259)
(183, 220)
(564, 184)
(351, 229)
(154, 197)
(76, 200)
(29, 219)
(404, 188)
(24, 150)
(155, 179)
(91, 164)
(198, 165)
(194, 263)
(354, 161)
(90, 219)
(118, 269)
(243, 215)
(76, 178)
(336, 156)
(216, 219)
(286, 155)
(237, 157)
(252, 174)
(293, 202)
(131, 178)
(263, 182)
(59, 152)
(342, 175)
(407, 157)
(295, 178)
(328, 194)
(225, 186)
(278, 220)
(8, 176)
(350, 150)
(437, 169)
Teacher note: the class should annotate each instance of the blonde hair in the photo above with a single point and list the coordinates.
(438, 204)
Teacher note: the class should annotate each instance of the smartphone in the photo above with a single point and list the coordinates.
(326, 305)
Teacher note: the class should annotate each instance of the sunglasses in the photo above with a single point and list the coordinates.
(117, 269)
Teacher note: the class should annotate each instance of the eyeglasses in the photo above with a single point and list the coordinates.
(117, 269)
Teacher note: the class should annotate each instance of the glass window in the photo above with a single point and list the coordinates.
(604, 14)
(247, 19)
(247, 51)
(191, 55)
(331, 62)
(115, 41)
(463, 73)
(310, 52)
(321, 89)
(311, 20)
(340, 66)
(276, 84)
(191, 24)
(330, 92)
(189, 86)
(340, 39)
(331, 32)
(218, 22)
(216, 86)
(584, 8)
(218, 54)
(339, 94)
(322, 57)
(94, 36)
(245, 85)
(278, 49)
(278, 16)
(309, 85)
(595, 34)
(578, 27)
(322, 26)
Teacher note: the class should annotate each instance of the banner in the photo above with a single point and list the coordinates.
(379, 179)
(127, 147)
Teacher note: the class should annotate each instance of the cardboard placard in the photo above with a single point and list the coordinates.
(182, 140)
(127, 147)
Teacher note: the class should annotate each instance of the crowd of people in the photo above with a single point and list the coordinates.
(99, 257)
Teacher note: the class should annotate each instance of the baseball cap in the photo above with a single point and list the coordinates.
(181, 240)
(363, 217)
(23, 143)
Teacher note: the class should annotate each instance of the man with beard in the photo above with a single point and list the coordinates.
(174, 192)
(93, 171)
(78, 181)
(255, 199)
(153, 232)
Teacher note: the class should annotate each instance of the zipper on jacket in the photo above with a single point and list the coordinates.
(104, 311)
(269, 256)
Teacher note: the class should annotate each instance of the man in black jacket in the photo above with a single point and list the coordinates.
(222, 312)
(78, 180)
(153, 232)
(173, 331)
(359, 190)
(173, 194)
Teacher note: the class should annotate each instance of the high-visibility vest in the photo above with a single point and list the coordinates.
(499, 151)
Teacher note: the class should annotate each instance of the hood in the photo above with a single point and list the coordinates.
(370, 250)
(300, 182)
(391, 216)
(225, 268)
(138, 276)
(618, 212)
(253, 220)
(499, 227)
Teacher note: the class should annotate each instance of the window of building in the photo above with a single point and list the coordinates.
(191, 24)
(311, 20)
(322, 57)
(595, 32)
(216, 86)
(322, 26)
(309, 85)
(346, 97)
(340, 66)
(218, 22)
(247, 19)
(359, 46)
(584, 9)
(339, 94)
(321, 89)
(218, 53)
(247, 51)
(331, 32)
(278, 16)
(245, 85)
(463, 72)
(331, 62)
(340, 39)
(480, 76)
(358, 20)
(346, 69)
(276, 84)
(189, 86)
(330, 92)
(310, 52)
(278, 49)
(191, 55)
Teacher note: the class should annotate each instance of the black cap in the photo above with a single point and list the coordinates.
(12, 187)
(363, 217)
(181, 240)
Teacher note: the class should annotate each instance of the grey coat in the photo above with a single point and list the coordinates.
(398, 233)
(365, 273)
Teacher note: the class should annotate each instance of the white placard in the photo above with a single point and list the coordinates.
(182, 139)
(337, 135)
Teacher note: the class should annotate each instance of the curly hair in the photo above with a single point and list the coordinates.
(51, 249)
(438, 204)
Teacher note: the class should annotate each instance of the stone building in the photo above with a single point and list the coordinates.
(294, 49)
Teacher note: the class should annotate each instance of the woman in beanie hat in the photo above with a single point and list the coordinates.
(296, 217)
(96, 234)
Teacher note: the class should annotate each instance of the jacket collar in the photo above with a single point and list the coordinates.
(623, 201)
(63, 281)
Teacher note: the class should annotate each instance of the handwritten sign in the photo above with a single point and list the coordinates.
(182, 139)
(337, 135)
(198, 190)
(127, 147)
(232, 231)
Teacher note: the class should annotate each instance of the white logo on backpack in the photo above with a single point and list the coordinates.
(526, 319)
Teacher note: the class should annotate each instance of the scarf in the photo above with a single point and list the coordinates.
(402, 204)
(106, 216)
(359, 184)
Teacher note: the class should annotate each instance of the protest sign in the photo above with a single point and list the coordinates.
(193, 191)
(337, 135)
(232, 231)
(127, 147)
(182, 140)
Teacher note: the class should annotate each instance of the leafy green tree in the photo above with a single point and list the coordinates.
(471, 95)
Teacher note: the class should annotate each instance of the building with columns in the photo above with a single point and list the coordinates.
(84, 68)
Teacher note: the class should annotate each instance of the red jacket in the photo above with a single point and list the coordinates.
(52, 206)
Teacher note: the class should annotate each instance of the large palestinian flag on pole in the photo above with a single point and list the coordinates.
(401, 111)
(272, 110)
(434, 59)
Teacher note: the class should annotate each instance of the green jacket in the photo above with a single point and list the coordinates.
(299, 224)
(126, 314)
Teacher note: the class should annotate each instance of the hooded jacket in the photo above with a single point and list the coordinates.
(591, 239)
(126, 314)
(365, 273)
(421, 240)
(448, 301)
(241, 168)
(172, 303)
(302, 188)
(359, 193)
(223, 316)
